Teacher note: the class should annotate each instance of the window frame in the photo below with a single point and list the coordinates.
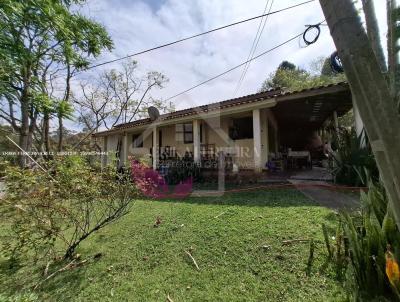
(186, 130)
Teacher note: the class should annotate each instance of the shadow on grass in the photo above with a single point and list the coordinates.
(22, 278)
(65, 286)
(277, 197)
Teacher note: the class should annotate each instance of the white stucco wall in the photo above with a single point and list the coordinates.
(214, 131)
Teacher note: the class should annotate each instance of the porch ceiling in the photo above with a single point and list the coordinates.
(311, 111)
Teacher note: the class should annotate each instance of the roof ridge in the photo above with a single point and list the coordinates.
(206, 106)
(274, 92)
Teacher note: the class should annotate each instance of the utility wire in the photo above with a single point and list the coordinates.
(195, 36)
(254, 46)
(236, 67)
(251, 49)
(252, 59)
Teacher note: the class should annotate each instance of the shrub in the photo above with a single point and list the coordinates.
(366, 247)
(181, 170)
(58, 209)
(154, 185)
(353, 159)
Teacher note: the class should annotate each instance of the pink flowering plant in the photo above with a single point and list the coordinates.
(152, 184)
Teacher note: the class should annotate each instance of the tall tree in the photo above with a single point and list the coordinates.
(370, 89)
(373, 32)
(290, 77)
(39, 39)
(119, 96)
(393, 18)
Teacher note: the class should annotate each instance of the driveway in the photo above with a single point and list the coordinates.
(326, 194)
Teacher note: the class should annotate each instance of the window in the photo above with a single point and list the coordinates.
(184, 132)
(137, 140)
(242, 128)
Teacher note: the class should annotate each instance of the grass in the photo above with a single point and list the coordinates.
(236, 240)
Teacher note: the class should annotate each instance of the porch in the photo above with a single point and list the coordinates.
(275, 132)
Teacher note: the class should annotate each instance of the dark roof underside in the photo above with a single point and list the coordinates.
(312, 111)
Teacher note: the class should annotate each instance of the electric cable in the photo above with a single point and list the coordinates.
(253, 47)
(195, 36)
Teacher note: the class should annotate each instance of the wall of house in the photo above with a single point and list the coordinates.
(143, 152)
(241, 150)
(169, 138)
(214, 131)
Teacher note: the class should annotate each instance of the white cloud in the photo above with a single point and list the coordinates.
(137, 25)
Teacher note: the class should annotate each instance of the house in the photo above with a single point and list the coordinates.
(249, 130)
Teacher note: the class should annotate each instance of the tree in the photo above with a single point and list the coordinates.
(289, 77)
(64, 110)
(374, 95)
(41, 40)
(119, 96)
(53, 213)
(373, 32)
(287, 65)
(393, 16)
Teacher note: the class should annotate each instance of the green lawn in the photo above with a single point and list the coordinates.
(141, 262)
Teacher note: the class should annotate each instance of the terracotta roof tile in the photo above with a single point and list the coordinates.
(251, 98)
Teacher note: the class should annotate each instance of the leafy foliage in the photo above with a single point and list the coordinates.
(181, 171)
(354, 162)
(289, 77)
(363, 242)
(42, 41)
(57, 210)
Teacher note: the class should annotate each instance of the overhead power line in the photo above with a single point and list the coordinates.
(197, 35)
(236, 67)
(244, 63)
(254, 46)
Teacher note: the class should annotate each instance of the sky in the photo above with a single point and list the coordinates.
(136, 25)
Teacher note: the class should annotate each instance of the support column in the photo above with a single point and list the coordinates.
(196, 141)
(125, 146)
(264, 138)
(104, 157)
(257, 140)
(155, 148)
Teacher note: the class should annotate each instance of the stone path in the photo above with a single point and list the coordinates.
(330, 198)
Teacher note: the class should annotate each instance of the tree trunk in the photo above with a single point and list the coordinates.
(60, 133)
(24, 129)
(392, 49)
(373, 32)
(45, 131)
(371, 91)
